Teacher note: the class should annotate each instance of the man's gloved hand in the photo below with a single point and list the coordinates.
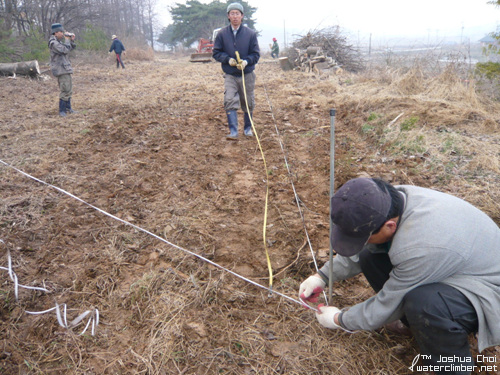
(233, 62)
(242, 65)
(311, 288)
(326, 316)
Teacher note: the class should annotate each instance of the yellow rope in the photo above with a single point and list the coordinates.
(269, 266)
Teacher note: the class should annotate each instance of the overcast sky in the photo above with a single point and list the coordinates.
(387, 21)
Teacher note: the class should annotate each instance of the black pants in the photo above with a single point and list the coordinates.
(439, 316)
(119, 60)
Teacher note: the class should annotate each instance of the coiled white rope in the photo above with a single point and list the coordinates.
(61, 317)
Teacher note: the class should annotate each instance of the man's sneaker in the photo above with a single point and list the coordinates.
(249, 133)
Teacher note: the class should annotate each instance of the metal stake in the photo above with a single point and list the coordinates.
(332, 188)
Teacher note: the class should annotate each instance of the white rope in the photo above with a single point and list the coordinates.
(157, 237)
(61, 318)
(297, 199)
(298, 206)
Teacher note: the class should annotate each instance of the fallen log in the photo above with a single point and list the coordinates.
(313, 51)
(24, 68)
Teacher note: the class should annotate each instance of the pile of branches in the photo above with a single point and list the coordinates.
(332, 44)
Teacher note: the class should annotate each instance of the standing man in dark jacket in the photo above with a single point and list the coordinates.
(118, 47)
(231, 39)
(60, 44)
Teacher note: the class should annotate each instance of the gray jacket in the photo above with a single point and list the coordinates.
(59, 56)
(440, 238)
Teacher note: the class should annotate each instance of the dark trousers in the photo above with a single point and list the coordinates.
(439, 316)
(119, 60)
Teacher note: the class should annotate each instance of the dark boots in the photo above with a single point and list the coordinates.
(65, 107)
(248, 125)
(232, 119)
(68, 106)
(62, 108)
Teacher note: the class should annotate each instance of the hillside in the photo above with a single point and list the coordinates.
(148, 146)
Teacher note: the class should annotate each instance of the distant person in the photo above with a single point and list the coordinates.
(60, 45)
(275, 49)
(118, 47)
(230, 39)
(432, 260)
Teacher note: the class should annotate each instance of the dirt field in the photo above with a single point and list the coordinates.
(148, 146)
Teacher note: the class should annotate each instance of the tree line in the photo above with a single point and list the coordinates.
(113, 16)
(195, 20)
(25, 25)
(27, 22)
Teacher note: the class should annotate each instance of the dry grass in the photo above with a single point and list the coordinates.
(140, 54)
(148, 147)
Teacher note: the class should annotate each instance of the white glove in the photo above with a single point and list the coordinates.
(311, 288)
(233, 62)
(326, 316)
(242, 65)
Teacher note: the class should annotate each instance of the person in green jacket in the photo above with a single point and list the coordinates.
(275, 49)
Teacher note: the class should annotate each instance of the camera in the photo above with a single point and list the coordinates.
(68, 34)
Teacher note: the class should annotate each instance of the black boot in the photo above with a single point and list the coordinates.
(68, 106)
(248, 125)
(62, 108)
(232, 119)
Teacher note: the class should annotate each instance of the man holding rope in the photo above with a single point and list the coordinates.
(231, 39)
(430, 257)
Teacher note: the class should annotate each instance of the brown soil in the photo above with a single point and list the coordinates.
(148, 146)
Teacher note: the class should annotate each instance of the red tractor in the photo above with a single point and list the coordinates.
(204, 50)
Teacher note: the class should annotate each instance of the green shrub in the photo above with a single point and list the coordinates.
(490, 70)
(409, 124)
(93, 39)
(37, 48)
(6, 43)
(367, 128)
(6, 51)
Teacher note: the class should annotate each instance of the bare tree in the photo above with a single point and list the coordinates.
(125, 17)
(150, 16)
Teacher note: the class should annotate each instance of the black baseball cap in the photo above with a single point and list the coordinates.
(358, 208)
